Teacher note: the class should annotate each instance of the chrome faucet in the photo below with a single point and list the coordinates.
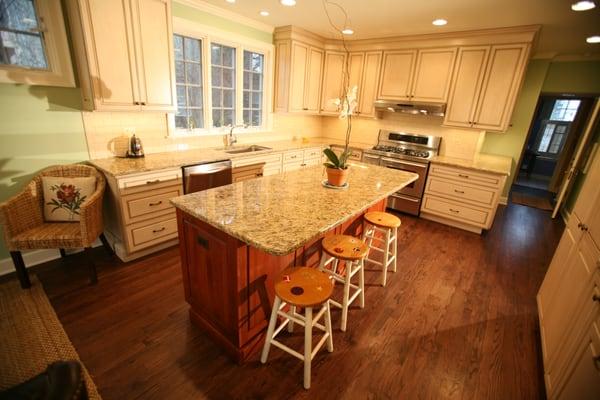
(230, 139)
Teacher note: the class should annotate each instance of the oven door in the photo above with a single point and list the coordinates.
(414, 189)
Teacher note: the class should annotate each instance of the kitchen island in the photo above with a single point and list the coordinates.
(234, 239)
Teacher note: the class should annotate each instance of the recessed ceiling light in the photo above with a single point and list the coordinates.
(264, 13)
(288, 3)
(230, 1)
(439, 22)
(583, 6)
(347, 31)
(593, 39)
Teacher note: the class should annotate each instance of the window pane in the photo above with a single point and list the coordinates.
(256, 81)
(246, 103)
(565, 110)
(247, 79)
(256, 96)
(216, 75)
(228, 78)
(18, 15)
(228, 56)
(228, 98)
(215, 55)
(223, 84)
(22, 49)
(253, 88)
(545, 142)
(216, 98)
(178, 47)
(228, 116)
(192, 71)
(188, 75)
(247, 61)
(256, 118)
(195, 96)
(192, 49)
(247, 117)
(217, 117)
(257, 62)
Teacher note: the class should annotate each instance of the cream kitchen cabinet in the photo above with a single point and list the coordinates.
(333, 79)
(124, 54)
(364, 73)
(569, 302)
(299, 73)
(485, 85)
(422, 75)
(460, 197)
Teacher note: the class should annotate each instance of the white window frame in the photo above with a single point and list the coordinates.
(209, 35)
(58, 56)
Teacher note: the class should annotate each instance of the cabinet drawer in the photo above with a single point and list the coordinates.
(152, 232)
(292, 166)
(145, 205)
(466, 175)
(246, 172)
(149, 179)
(479, 196)
(312, 153)
(267, 159)
(293, 156)
(272, 170)
(312, 162)
(454, 210)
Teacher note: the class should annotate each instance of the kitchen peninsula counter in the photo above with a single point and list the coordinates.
(234, 239)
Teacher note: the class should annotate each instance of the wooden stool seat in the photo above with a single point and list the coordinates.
(303, 286)
(383, 219)
(344, 247)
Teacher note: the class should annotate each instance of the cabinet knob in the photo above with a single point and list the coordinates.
(583, 227)
(137, 103)
(596, 298)
(454, 211)
(305, 108)
(143, 103)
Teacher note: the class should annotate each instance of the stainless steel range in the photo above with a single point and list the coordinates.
(407, 152)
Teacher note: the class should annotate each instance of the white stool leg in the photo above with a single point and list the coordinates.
(328, 327)
(290, 326)
(307, 346)
(322, 262)
(269, 336)
(395, 250)
(361, 282)
(386, 254)
(346, 296)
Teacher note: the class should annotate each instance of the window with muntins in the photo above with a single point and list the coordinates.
(188, 76)
(223, 84)
(21, 37)
(253, 88)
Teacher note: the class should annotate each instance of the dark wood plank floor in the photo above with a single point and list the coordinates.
(457, 321)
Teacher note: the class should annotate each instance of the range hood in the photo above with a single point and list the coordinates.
(411, 107)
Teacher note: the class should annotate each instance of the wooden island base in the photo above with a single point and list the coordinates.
(229, 284)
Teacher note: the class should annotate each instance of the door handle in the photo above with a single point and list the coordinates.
(202, 242)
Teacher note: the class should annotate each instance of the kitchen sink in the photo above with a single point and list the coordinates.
(247, 149)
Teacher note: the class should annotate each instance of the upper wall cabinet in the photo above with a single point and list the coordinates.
(485, 86)
(298, 75)
(333, 80)
(125, 54)
(422, 75)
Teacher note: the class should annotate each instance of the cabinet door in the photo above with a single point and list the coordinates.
(332, 81)
(108, 31)
(432, 74)
(466, 84)
(368, 88)
(298, 76)
(312, 89)
(282, 75)
(356, 65)
(503, 77)
(397, 74)
(583, 378)
(588, 199)
(155, 54)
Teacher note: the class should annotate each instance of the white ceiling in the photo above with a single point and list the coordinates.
(563, 30)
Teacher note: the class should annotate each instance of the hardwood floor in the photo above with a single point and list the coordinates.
(458, 320)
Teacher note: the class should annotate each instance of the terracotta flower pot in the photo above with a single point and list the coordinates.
(337, 177)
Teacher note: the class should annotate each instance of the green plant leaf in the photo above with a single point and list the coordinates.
(332, 157)
(330, 165)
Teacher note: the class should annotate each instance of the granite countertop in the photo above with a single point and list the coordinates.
(280, 213)
(481, 162)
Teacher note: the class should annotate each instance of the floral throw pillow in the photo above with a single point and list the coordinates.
(63, 197)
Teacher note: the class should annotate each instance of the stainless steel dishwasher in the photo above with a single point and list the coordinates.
(204, 176)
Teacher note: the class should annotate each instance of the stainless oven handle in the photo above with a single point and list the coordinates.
(370, 156)
(399, 196)
(393, 161)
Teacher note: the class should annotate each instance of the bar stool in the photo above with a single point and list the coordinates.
(352, 251)
(387, 224)
(306, 288)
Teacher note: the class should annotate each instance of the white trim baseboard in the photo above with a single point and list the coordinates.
(35, 257)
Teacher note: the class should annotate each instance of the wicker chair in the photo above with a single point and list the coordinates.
(24, 228)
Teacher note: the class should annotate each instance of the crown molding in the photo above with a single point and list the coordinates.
(230, 15)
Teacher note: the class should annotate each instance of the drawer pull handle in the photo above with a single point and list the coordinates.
(583, 227)
(154, 181)
(453, 210)
(202, 242)
(596, 298)
(155, 204)
(259, 174)
(464, 176)
(459, 191)
(158, 230)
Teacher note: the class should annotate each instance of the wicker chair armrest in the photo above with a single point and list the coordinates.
(91, 215)
(22, 211)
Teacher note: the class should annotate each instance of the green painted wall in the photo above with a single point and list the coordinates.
(202, 17)
(39, 126)
(542, 76)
